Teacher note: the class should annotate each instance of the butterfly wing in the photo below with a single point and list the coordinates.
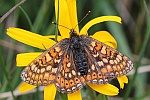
(105, 63)
(43, 69)
(56, 65)
(69, 78)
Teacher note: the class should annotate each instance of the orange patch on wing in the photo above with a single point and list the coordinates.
(109, 69)
(88, 77)
(33, 75)
(71, 82)
(65, 64)
(53, 53)
(115, 68)
(36, 77)
(76, 80)
(94, 75)
(51, 77)
(57, 56)
(39, 82)
(121, 66)
(46, 76)
(103, 70)
(118, 67)
(43, 60)
(117, 73)
(82, 79)
(66, 59)
(124, 63)
(41, 77)
(58, 78)
(66, 69)
(62, 83)
(30, 73)
(108, 52)
(98, 46)
(67, 84)
(99, 75)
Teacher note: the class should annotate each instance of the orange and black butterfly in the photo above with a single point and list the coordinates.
(73, 61)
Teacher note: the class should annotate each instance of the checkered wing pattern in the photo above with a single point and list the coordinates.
(44, 69)
(69, 78)
(56, 65)
(105, 63)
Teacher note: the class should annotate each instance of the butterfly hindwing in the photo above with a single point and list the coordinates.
(69, 78)
(105, 62)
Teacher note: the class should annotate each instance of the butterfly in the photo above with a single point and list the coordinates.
(75, 61)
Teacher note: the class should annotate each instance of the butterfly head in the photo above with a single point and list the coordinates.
(73, 33)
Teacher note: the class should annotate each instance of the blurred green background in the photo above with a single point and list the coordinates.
(132, 37)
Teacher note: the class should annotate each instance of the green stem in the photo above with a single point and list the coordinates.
(141, 52)
(56, 33)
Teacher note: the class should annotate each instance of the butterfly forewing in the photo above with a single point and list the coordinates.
(105, 62)
(43, 69)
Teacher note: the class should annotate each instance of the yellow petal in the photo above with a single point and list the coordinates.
(49, 92)
(64, 18)
(24, 59)
(122, 80)
(53, 37)
(24, 87)
(105, 37)
(30, 38)
(106, 89)
(73, 14)
(99, 20)
(75, 96)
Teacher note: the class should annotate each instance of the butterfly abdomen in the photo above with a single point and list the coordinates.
(81, 63)
(79, 55)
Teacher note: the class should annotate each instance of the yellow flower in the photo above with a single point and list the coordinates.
(67, 10)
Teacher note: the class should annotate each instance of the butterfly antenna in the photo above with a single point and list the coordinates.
(77, 24)
(83, 18)
(44, 46)
(60, 25)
